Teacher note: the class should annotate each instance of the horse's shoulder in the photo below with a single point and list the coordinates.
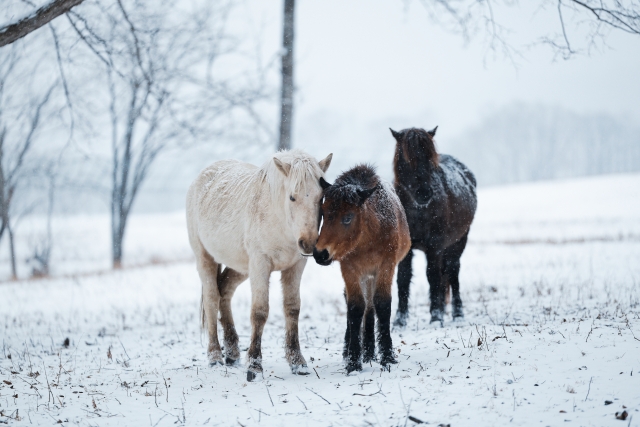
(455, 176)
(387, 203)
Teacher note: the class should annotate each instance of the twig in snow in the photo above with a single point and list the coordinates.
(589, 333)
(314, 370)
(632, 334)
(318, 395)
(165, 386)
(377, 392)
(585, 399)
(48, 386)
(269, 395)
(305, 406)
(157, 422)
(125, 350)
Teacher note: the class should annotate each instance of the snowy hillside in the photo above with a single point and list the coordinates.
(552, 329)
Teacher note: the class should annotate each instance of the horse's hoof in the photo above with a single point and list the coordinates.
(215, 358)
(366, 358)
(437, 316)
(252, 374)
(229, 361)
(254, 368)
(231, 354)
(400, 321)
(353, 366)
(458, 314)
(300, 370)
(388, 359)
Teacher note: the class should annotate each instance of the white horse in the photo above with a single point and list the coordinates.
(254, 221)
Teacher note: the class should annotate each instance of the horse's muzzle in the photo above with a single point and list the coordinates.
(322, 257)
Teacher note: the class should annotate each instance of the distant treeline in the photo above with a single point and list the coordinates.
(530, 143)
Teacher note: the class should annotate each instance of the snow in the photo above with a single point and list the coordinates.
(549, 282)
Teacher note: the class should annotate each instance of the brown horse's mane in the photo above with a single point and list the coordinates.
(416, 144)
(346, 186)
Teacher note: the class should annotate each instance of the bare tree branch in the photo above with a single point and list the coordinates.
(619, 16)
(39, 18)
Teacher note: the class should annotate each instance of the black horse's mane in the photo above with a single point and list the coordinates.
(359, 178)
(417, 146)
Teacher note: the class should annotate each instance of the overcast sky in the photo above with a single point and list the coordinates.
(377, 59)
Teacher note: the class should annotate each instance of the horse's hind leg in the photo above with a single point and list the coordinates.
(369, 333)
(382, 302)
(291, 301)
(208, 270)
(451, 261)
(228, 281)
(404, 281)
(436, 289)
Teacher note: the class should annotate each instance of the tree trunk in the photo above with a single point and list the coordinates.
(116, 248)
(14, 273)
(41, 17)
(286, 99)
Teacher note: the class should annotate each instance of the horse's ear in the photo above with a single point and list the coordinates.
(324, 163)
(285, 168)
(432, 132)
(395, 134)
(324, 184)
(364, 195)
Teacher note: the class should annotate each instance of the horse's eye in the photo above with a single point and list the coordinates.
(346, 220)
(293, 199)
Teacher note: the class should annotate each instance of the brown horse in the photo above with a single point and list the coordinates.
(439, 197)
(364, 228)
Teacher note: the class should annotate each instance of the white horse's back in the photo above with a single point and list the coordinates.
(218, 204)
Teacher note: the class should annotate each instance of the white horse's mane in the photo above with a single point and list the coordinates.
(304, 169)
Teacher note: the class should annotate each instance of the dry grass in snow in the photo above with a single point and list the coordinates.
(551, 335)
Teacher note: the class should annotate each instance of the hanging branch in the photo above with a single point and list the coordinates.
(42, 16)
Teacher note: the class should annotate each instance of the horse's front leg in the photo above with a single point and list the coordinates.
(259, 271)
(382, 302)
(404, 282)
(291, 299)
(355, 312)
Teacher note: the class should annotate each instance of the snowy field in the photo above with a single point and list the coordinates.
(551, 287)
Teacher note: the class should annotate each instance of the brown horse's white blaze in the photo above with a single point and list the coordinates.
(254, 221)
(365, 229)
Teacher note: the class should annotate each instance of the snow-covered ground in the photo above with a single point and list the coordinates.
(550, 282)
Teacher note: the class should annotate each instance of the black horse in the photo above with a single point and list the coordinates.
(439, 197)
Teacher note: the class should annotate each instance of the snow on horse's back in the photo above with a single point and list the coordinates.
(254, 220)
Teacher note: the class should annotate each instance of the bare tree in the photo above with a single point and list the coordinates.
(598, 17)
(162, 92)
(20, 124)
(40, 17)
(286, 94)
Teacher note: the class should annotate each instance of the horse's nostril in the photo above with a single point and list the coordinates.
(301, 243)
